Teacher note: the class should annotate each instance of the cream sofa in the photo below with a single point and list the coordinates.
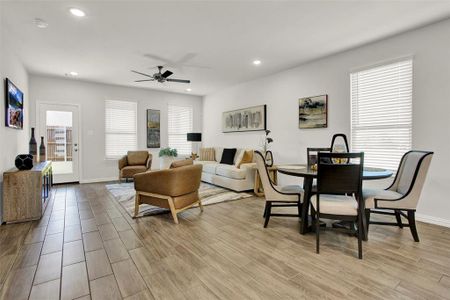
(228, 176)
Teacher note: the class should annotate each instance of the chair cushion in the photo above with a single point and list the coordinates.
(291, 189)
(336, 205)
(130, 171)
(230, 171)
(136, 158)
(228, 156)
(370, 195)
(207, 154)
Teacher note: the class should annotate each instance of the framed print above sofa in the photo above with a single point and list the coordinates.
(246, 119)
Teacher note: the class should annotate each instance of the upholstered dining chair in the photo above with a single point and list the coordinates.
(403, 194)
(276, 195)
(338, 195)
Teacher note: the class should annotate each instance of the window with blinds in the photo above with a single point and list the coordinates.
(180, 123)
(381, 108)
(120, 128)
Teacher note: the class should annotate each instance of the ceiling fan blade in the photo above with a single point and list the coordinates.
(141, 73)
(144, 80)
(167, 73)
(185, 58)
(157, 58)
(178, 80)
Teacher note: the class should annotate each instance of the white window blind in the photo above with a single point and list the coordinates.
(381, 100)
(180, 123)
(120, 128)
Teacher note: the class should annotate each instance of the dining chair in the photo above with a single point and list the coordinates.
(312, 154)
(402, 195)
(344, 138)
(338, 195)
(276, 195)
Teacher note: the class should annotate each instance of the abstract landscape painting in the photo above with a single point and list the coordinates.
(153, 128)
(312, 112)
(246, 119)
(14, 106)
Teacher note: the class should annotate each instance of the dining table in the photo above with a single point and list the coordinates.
(309, 174)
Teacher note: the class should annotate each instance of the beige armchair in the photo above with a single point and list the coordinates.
(133, 163)
(175, 189)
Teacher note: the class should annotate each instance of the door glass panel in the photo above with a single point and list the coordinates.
(59, 141)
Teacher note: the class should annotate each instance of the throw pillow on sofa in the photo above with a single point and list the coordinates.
(246, 158)
(228, 156)
(207, 154)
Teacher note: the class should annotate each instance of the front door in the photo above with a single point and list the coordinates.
(58, 124)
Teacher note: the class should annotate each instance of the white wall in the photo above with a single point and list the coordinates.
(12, 141)
(91, 97)
(431, 106)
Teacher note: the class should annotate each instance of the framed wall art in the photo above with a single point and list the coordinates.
(153, 128)
(313, 112)
(246, 119)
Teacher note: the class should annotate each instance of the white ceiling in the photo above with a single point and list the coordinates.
(218, 39)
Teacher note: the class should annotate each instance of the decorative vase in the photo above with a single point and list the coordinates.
(165, 162)
(42, 150)
(24, 161)
(33, 146)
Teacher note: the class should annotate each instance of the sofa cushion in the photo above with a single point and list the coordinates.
(230, 171)
(228, 156)
(207, 154)
(137, 158)
(208, 166)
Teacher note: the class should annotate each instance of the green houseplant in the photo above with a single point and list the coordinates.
(167, 156)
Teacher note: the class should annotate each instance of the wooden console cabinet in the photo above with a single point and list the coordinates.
(26, 193)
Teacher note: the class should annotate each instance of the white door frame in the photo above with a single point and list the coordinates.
(79, 135)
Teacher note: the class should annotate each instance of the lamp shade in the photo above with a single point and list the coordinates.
(194, 137)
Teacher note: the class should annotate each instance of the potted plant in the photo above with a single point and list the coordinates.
(167, 156)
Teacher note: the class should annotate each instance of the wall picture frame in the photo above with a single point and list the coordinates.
(153, 128)
(246, 119)
(313, 112)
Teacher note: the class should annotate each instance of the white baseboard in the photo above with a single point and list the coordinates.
(433, 220)
(94, 180)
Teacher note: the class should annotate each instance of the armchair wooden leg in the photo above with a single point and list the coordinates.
(399, 218)
(412, 225)
(173, 210)
(200, 205)
(136, 205)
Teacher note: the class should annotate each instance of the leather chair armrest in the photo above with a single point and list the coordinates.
(148, 163)
(170, 182)
(123, 162)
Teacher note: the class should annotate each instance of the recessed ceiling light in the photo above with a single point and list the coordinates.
(188, 89)
(256, 62)
(72, 73)
(77, 12)
(40, 23)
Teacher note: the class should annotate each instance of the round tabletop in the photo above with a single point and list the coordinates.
(304, 171)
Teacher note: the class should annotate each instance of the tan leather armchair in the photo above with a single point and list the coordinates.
(175, 189)
(133, 163)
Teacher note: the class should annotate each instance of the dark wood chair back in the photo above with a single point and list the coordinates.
(312, 155)
(344, 137)
(340, 178)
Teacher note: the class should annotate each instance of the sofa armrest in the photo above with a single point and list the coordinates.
(148, 163)
(250, 171)
(123, 162)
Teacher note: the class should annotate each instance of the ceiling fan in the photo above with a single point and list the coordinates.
(160, 77)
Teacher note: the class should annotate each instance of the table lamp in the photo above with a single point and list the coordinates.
(194, 137)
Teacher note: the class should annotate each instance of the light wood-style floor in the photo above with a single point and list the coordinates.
(86, 246)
